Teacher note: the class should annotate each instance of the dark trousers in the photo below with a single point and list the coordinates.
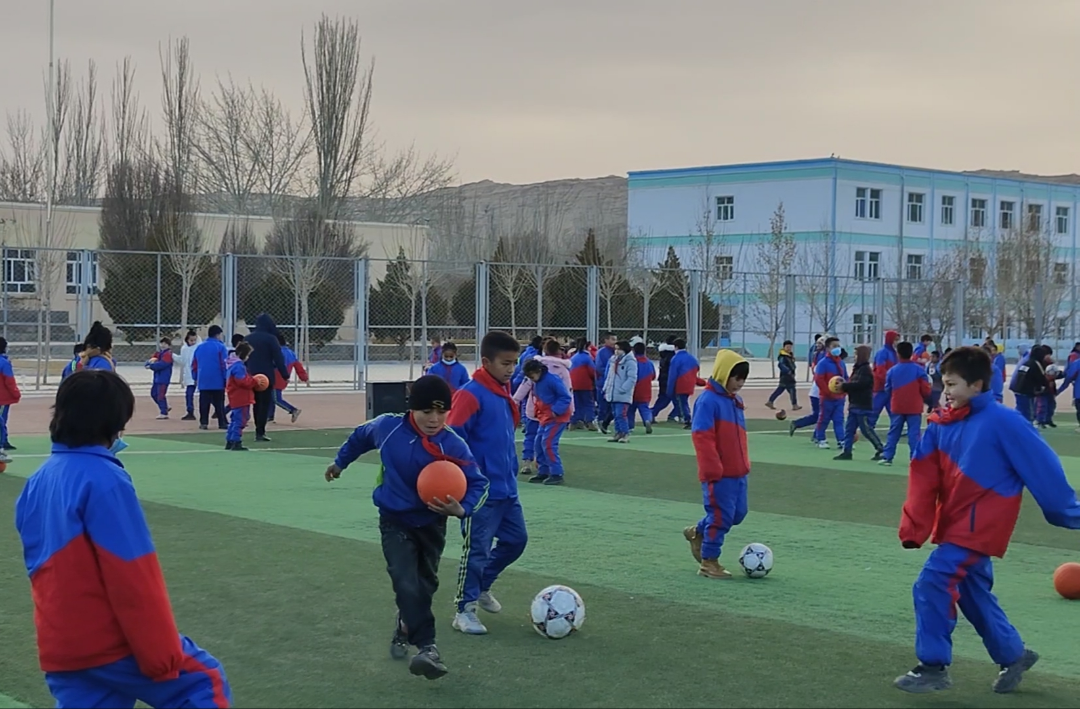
(264, 403)
(412, 561)
(859, 420)
(790, 389)
(217, 398)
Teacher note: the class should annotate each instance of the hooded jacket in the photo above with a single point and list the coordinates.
(556, 365)
(860, 388)
(885, 359)
(718, 425)
(266, 357)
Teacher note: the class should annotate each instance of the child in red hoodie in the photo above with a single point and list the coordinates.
(240, 388)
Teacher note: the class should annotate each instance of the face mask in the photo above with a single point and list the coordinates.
(448, 361)
(835, 351)
(117, 446)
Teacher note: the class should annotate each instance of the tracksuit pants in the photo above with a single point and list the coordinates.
(882, 401)
(859, 420)
(1045, 408)
(682, 406)
(662, 402)
(956, 577)
(483, 558)
(548, 460)
(528, 447)
(215, 398)
(158, 393)
(584, 406)
(725, 506)
(639, 408)
(189, 399)
(603, 406)
(1026, 406)
(412, 560)
(238, 421)
(811, 418)
(5, 411)
(832, 411)
(790, 389)
(896, 427)
(119, 684)
(622, 418)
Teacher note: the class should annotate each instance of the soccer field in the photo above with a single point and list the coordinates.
(281, 576)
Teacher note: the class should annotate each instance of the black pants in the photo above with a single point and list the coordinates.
(217, 398)
(790, 389)
(264, 402)
(412, 561)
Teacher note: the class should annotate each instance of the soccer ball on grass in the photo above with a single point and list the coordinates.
(756, 560)
(557, 611)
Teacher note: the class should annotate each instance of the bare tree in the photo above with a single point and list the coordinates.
(57, 107)
(644, 277)
(22, 165)
(180, 111)
(85, 145)
(775, 255)
(714, 256)
(279, 144)
(416, 282)
(338, 100)
(1031, 282)
(226, 142)
(510, 273)
(827, 293)
(402, 187)
(130, 125)
(181, 237)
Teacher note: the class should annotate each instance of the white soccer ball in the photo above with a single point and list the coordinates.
(1053, 370)
(756, 560)
(557, 611)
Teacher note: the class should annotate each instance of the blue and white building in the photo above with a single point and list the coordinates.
(856, 224)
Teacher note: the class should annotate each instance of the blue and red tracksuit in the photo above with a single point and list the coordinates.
(811, 419)
(646, 373)
(682, 379)
(604, 412)
(240, 388)
(884, 360)
(965, 488)
(454, 373)
(908, 387)
(293, 365)
(997, 382)
(1072, 376)
(159, 387)
(105, 629)
(583, 381)
(552, 404)
(718, 430)
(9, 395)
(485, 414)
(832, 404)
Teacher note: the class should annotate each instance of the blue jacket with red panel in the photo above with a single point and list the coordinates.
(884, 360)
(9, 389)
(682, 374)
(485, 415)
(827, 368)
(293, 365)
(552, 400)
(404, 452)
(908, 388)
(583, 371)
(968, 476)
(239, 386)
(99, 594)
(646, 373)
(208, 366)
(453, 373)
(162, 367)
(718, 426)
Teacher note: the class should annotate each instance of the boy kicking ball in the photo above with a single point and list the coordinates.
(413, 532)
(965, 487)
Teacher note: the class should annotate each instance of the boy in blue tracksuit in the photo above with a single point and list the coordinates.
(414, 531)
(965, 489)
(682, 379)
(552, 405)
(604, 413)
(486, 416)
(161, 364)
(449, 368)
(240, 390)
(997, 383)
(209, 369)
(832, 403)
(583, 381)
(908, 388)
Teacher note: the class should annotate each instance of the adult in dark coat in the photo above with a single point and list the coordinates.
(265, 359)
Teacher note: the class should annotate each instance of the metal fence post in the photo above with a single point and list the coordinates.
(360, 339)
(483, 306)
(693, 319)
(228, 294)
(592, 307)
(84, 309)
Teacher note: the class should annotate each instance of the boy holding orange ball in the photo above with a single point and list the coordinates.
(414, 531)
(965, 487)
(240, 390)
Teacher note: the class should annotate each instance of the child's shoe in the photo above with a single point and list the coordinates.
(9, 447)
(399, 643)
(4, 458)
(923, 679)
(162, 417)
(878, 455)
(796, 407)
(591, 426)
(823, 445)
(488, 603)
(691, 535)
(553, 480)
(844, 455)
(687, 425)
(295, 414)
(711, 569)
(791, 429)
(427, 663)
(527, 468)
(188, 417)
(648, 427)
(770, 405)
(1009, 677)
(467, 622)
(885, 462)
(603, 429)
(539, 478)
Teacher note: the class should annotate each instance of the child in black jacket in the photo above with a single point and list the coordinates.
(860, 391)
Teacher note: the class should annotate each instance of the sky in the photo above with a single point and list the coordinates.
(523, 92)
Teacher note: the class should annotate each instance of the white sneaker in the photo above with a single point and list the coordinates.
(468, 623)
(4, 458)
(823, 445)
(296, 414)
(162, 417)
(489, 603)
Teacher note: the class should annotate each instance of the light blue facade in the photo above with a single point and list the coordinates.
(851, 220)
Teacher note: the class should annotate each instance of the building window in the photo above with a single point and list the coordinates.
(978, 213)
(913, 267)
(1062, 214)
(948, 203)
(1006, 215)
(73, 273)
(725, 209)
(863, 326)
(915, 202)
(725, 267)
(867, 203)
(866, 265)
(725, 326)
(1034, 213)
(19, 270)
(1061, 273)
(977, 271)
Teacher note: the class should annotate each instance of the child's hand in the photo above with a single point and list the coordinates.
(450, 507)
(332, 473)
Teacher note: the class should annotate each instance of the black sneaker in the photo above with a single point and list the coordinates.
(427, 663)
(880, 455)
(9, 447)
(262, 439)
(188, 417)
(539, 478)
(791, 429)
(603, 429)
(687, 425)
(204, 427)
(923, 679)
(648, 427)
(229, 445)
(238, 446)
(845, 455)
(554, 480)
(1009, 677)
(399, 644)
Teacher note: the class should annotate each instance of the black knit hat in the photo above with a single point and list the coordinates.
(429, 392)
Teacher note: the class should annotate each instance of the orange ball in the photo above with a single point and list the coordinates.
(1067, 580)
(262, 382)
(3, 467)
(781, 415)
(441, 479)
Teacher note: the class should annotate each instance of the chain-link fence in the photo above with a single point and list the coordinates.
(357, 320)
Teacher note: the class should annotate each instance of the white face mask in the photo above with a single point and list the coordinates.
(117, 446)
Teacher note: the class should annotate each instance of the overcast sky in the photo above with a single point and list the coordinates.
(524, 91)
